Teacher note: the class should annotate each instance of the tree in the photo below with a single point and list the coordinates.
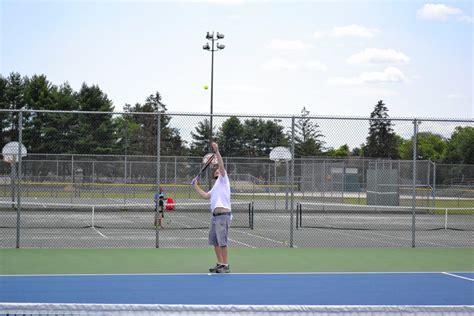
(39, 95)
(142, 129)
(230, 137)
(307, 136)
(429, 147)
(13, 99)
(4, 117)
(96, 132)
(460, 147)
(381, 142)
(342, 151)
(200, 143)
(260, 137)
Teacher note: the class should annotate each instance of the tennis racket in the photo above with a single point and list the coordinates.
(207, 160)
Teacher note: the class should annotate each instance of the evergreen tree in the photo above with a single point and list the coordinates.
(307, 136)
(96, 132)
(381, 142)
(260, 137)
(13, 99)
(39, 95)
(200, 143)
(142, 129)
(230, 137)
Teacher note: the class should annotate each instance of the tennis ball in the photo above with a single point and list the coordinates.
(206, 86)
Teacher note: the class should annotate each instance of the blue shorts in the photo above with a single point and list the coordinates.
(219, 230)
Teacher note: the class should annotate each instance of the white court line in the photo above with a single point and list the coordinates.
(458, 276)
(408, 239)
(258, 236)
(240, 231)
(99, 232)
(367, 238)
(242, 243)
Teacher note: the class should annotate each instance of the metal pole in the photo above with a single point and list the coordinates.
(428, 196)
(434, 184)
(292, 178)
(72, 177)
(18, 185)
(175, 176)
(415, 134)
(158, 148)
(125, 177)
(275, 185)
(210, 176)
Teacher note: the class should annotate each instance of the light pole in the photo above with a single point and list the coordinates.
(215, 46)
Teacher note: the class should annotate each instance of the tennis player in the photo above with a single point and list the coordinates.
(159, 205)
(221, 212)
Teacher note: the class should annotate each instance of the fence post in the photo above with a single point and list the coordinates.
(292, 178)
(415, 135)
(158, 148)
(18, 175)
(434, 185)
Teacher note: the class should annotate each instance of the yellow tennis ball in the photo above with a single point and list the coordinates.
(206, 86)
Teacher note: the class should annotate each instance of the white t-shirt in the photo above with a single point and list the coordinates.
(220, 193)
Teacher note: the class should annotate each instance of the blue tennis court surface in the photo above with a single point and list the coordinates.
(248, 289)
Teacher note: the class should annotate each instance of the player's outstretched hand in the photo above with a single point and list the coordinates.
(194, 181)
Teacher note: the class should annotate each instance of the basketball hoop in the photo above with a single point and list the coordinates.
(10, 159)
(280, 154)
(10, 152)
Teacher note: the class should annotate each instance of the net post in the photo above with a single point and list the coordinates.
(93, 217)
(446, 219)
(297, 213)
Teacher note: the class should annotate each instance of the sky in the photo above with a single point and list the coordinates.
(335, 58)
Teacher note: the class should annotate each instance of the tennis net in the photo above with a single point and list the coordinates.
(180, 309)
(382, 217)
(117, 216)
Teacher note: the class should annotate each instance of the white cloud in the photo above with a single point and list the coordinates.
(389, 75)
(279, 44)
(225, 2)
(242, 88)
(353, 30)
(455, 96)
(234, 17)
(439, 12)
(371, 91)
(277, 64)
(315, 65)
(378, 56)
(318, 35)
(465, 18)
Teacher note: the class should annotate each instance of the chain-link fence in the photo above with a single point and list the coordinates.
(90, 179)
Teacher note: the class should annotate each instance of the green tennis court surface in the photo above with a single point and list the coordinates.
(120, 261)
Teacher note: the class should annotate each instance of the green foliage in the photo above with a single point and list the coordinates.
(429, 147)
(13, 98)
(460, 147)
(200, 143)
(307, 136)
(231, 137)
(135, 134)
(260, 137)
(342, 151)
(381, 142)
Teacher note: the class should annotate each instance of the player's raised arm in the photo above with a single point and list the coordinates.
(220, 161)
